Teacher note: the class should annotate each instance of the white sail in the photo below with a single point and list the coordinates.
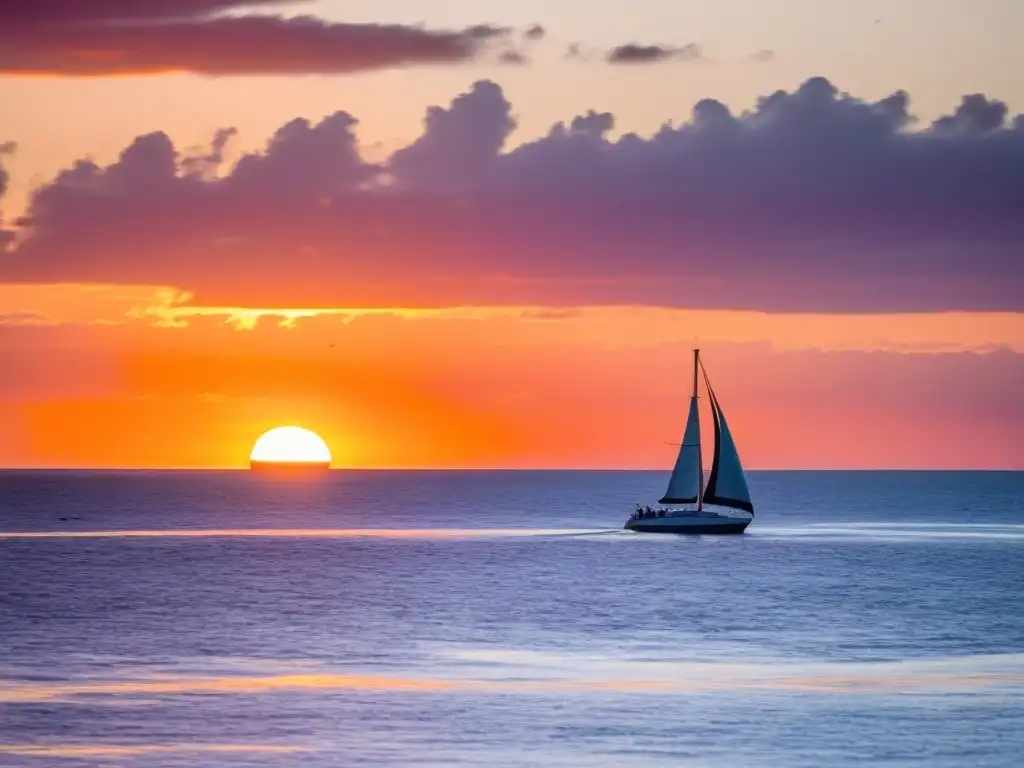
(684, 485)
(727, 484)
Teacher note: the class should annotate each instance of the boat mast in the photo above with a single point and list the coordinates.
(700, 458)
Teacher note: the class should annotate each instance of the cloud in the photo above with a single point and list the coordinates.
(207, 164)
(6, 148)
(25, 317)
(458, 144)
(765, 56)
(118, 37)
(550, 314)
(574, 51)
(66, 11)
(975, 115)
(535, 32)
(514, 57)
(811, 201)
(632, 53)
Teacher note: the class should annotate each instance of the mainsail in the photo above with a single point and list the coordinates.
(684, 485)
(727, 484)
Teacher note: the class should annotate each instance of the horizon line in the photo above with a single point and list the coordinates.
(248, 470)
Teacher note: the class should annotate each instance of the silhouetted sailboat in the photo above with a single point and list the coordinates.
(726, 486)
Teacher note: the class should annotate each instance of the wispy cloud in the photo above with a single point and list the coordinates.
(634, 53)
(514, 57)
(25, 317)
(765, 56)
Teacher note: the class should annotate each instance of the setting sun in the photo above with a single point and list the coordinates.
(290, 446)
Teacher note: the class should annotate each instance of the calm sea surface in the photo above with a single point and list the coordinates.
(504, 619)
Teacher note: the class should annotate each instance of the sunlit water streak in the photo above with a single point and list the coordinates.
(112, 751)
(531, 672)
(282, 533)
(814, 530)
(905, 531)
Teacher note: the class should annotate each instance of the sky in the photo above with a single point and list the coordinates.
(442, 236)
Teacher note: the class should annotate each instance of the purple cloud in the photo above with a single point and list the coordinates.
(77, 11)
(6, 148)
(813, 200)
(459, 145)
(975, 115)
(125, 37)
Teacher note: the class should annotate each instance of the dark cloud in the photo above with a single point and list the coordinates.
(631, 53)
(813, 200)
(536, 32)
(125, 37)
(975, 115)
(765, 56)
(6, 148)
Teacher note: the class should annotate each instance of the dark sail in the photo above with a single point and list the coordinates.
(684, 484)
(727, 484)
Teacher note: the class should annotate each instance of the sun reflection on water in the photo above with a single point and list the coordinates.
(537, 673)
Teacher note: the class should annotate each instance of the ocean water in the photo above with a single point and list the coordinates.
(505, 619)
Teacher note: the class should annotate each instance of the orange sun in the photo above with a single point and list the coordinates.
(290, 447)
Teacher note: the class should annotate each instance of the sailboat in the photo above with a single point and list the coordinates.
(726, 486)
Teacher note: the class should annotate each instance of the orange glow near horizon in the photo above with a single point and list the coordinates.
(160, 382)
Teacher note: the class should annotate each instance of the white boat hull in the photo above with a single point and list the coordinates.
(689, 524)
